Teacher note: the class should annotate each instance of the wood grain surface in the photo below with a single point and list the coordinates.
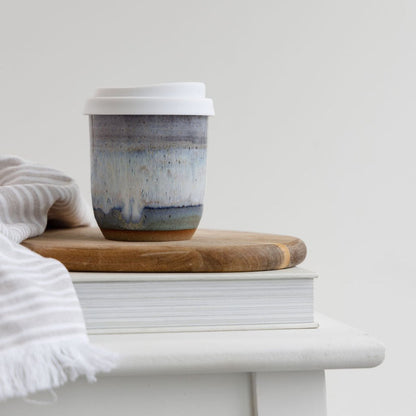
(85, 249)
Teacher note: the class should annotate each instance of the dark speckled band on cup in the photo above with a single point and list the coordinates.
(148, 159)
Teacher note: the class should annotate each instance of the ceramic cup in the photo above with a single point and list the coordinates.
(148, 159)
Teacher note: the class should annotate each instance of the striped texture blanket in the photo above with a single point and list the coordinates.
(43, 340)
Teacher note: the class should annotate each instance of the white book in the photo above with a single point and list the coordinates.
(160, 302)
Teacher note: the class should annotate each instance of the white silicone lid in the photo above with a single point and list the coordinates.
(176, 98)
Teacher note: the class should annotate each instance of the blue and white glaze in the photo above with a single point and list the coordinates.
(148, 171)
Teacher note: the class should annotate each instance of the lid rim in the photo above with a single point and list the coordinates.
(159, 99)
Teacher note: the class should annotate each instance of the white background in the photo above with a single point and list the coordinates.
(313, 136)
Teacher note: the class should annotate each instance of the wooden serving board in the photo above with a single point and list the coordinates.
(85, 249)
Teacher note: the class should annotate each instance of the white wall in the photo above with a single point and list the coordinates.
(313, 135)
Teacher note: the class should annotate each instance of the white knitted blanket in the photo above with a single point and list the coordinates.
(43, 340)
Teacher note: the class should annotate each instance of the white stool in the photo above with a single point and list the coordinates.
(229, 373)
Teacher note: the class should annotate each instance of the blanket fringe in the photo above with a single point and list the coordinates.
(42, 366)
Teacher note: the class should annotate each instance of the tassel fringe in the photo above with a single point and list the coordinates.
(42, 366)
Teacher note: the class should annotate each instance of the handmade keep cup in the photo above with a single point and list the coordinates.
(148, 160)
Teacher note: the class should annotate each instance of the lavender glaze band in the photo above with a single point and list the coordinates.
(148, 175)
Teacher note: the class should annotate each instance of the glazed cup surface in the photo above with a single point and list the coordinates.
(148, 175)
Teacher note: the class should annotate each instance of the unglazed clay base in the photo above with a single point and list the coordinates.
(134, 235)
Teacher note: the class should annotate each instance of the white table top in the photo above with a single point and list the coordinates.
(332, 345)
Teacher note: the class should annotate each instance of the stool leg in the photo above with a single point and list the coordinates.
(289, 393)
